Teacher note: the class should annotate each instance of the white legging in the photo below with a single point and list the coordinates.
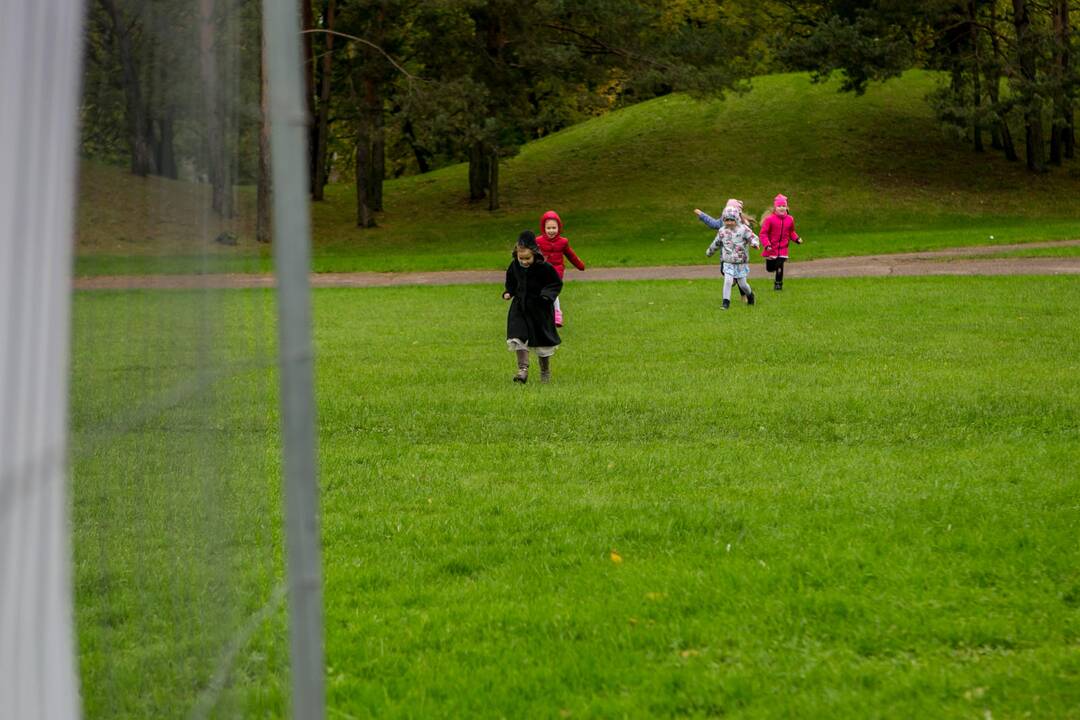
(729, 281)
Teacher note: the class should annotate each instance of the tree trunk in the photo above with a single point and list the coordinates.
(1003, 133)
(378, 143)
(375, 103)
(423, 157)
(479, 172)
(992, 75)
(160, 114)
(135, 110)
(164, 146)
(307, 23)
(493, 180)
(378, 162)
(1007, 140)
(263, 210)
(1027, 56)
(218, 166)
(976, 74)
(365, 215)
(1068, 133)
(993, 82)
(1057, 130)
(323, 125)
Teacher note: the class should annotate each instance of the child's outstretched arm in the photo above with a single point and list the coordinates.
(754, 241)
(713, 246)
(710, 221)
(572, 257)
(794, 235)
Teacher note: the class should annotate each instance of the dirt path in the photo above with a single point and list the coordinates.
(953, 261)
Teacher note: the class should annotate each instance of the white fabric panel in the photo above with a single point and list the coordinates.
(40, 68)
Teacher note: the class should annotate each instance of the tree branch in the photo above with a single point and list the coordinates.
(599, 47)
(370, 44)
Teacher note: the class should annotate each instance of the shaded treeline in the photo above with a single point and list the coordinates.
(396, 87)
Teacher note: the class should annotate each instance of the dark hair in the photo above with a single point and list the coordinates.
(527, 240)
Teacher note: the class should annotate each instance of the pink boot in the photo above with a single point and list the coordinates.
(558, 318)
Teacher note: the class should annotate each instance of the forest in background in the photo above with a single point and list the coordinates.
(397, 88)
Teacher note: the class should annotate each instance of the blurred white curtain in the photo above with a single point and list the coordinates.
(40, 68)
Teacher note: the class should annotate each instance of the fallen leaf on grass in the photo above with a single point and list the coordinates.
(616, 557)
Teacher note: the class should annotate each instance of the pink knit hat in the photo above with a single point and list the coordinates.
(732, 202)
(780, 200)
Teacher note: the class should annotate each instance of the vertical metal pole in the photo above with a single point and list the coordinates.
(292, 256)
(40, 69)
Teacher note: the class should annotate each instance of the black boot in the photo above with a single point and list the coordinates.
(545, 369)
(778, 285)
(750, 299)
(727, 304)
(522, 375)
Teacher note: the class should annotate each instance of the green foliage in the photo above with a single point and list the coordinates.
(862, 44)
(155, 90)
(979, 43)
(464, 80)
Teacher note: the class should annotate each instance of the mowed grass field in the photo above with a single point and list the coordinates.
(865, 175)
(857, 499)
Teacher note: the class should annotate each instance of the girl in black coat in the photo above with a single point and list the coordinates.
(532, 285)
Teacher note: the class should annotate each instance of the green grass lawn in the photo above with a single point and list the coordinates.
(857, 499)
(176, 504)
(865, 175)
(1045, 252)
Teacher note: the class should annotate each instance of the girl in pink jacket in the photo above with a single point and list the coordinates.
(555, 248)
(777, 232)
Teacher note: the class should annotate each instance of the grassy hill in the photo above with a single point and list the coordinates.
(864, 174)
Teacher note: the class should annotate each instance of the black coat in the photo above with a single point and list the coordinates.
(532, 309)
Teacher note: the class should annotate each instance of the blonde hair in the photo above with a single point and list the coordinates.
(745, 219)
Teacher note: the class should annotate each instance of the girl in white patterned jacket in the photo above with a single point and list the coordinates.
(733, 239)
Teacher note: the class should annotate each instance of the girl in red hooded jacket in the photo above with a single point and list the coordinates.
(555, 247)
(777, 232)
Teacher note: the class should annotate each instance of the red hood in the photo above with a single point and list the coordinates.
(550, 215)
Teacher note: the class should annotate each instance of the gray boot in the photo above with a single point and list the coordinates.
(522, 375)
(545, 369)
